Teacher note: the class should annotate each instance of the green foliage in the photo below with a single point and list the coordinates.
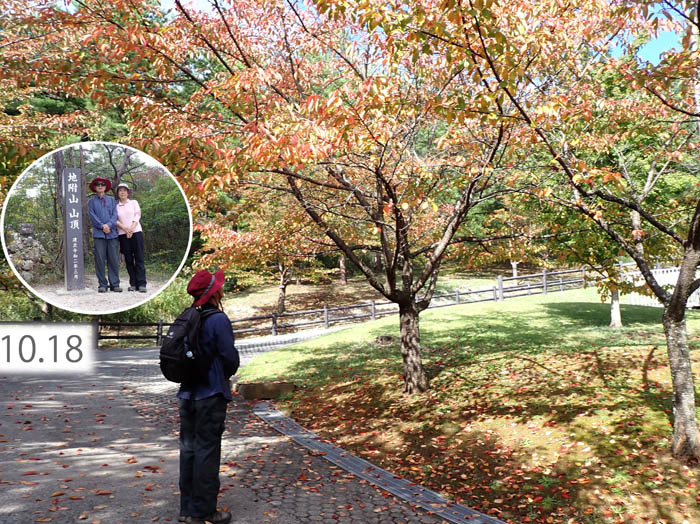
(17, 307)
(34, 201)
(166, 306)
(165, 222)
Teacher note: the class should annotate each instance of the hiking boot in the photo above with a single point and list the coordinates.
(102, 290)
(132, 288)
(116, 289)
(142, 289)
(218, 517)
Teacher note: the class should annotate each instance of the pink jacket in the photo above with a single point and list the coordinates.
(128, 213)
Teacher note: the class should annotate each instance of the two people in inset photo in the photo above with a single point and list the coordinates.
(116, 226)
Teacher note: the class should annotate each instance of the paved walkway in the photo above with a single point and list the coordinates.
(103, 449)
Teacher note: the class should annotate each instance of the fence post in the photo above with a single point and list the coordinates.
(500, 287)
(325, 316)
(583, 276)
(274, 324)
(374, 310)
(159, 333)
(96, 327)
(561, 284)
(457, 297)
(544, 281)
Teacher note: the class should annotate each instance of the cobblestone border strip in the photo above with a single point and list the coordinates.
(381, 478)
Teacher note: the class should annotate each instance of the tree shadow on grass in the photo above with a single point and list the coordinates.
(549, 326)
(599, 391)
(473, 464)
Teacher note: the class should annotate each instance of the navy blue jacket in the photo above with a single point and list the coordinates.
(103, 211)
(215, 338)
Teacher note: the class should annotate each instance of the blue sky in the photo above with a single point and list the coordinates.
(204, 5)
(652, 51)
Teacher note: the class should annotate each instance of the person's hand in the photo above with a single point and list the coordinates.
(106, 229)
(129, 234)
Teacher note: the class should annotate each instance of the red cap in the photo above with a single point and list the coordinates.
(100, 179)
(203, 285)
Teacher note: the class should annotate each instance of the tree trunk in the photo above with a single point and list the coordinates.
(285, 278)
(686, 441)
(343, 270)
(685, 445)
(60, 164)
(281, 298)
(414, 376)
(615, 315)
(378, 266)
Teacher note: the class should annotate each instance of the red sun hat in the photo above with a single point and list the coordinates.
(100, 179)
(203, 285)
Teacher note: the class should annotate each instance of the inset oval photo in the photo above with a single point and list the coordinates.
(96, 228)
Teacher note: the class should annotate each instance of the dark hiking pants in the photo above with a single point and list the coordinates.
(107, 251)
(201, 427)
(132, 249)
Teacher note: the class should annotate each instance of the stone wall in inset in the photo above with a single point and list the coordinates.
(28, 256)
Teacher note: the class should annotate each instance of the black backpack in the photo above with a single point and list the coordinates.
(181, 358)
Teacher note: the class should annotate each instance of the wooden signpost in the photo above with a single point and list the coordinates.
(73, 230)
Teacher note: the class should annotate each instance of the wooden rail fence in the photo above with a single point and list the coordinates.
(504, 288)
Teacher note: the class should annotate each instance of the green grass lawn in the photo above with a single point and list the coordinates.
(537, 411)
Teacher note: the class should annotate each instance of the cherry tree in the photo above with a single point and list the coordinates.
(263, 234)
(541, 61)
(367, 139)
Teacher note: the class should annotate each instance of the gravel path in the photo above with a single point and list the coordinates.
(91, 302)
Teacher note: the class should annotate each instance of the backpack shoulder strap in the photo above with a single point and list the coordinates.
(206, 313)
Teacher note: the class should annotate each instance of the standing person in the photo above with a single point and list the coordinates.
(202, 407)
(131, 238)
(103, 215)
